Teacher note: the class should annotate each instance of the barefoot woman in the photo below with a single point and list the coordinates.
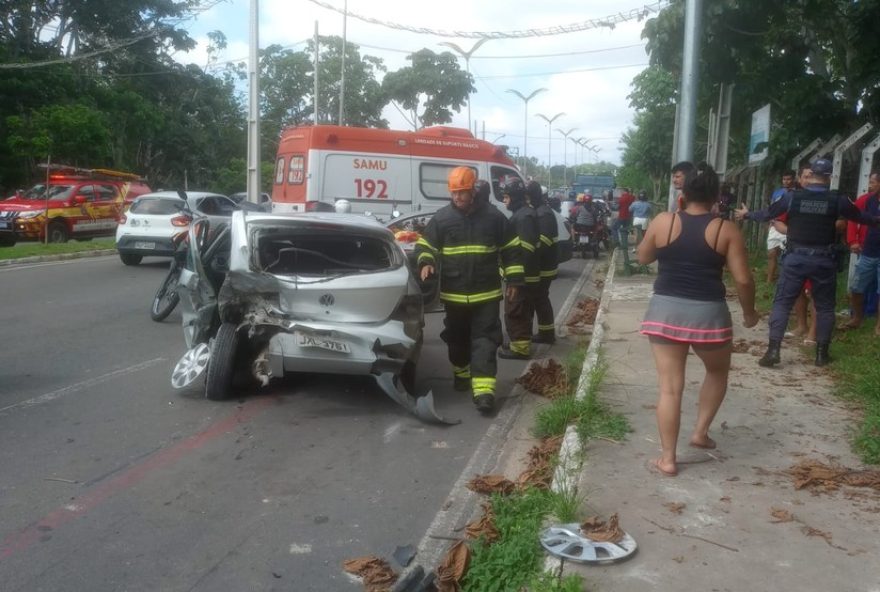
(688, 309)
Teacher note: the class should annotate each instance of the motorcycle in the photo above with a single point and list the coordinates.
(166, 297)
(585, 240)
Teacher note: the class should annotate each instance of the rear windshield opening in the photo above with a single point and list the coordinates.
(157, 206)
(323, 255)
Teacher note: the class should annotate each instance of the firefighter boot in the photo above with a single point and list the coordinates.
(771, 356)
(823, 358)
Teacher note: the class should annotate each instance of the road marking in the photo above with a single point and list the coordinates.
(300, 549)
(23, 539)
(57, 394)
(391, 431)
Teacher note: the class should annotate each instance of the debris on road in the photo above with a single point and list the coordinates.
(484, 526)
(596, 529)
(584, 314)
(487, 484)
(539, 472)
(781, 515)
(453, 568)
(404, 555)
(675, 507)
(548, 380)
(375, 572)
(821, 478)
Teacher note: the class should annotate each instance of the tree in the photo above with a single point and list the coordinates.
(433, 83)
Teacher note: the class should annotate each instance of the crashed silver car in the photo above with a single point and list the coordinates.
(265, 295)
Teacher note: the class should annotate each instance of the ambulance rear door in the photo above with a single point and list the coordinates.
(373, 182)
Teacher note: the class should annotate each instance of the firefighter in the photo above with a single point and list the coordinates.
(548, 259)
(519, 305)
(465, 239)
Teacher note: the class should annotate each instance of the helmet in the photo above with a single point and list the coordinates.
(514, 187)
(581, 197)
(482, 190)
(461, 179)
(572, 195)
(822, 166)
(643, 194)
(533, 190)
(343, 206)
(588, 197)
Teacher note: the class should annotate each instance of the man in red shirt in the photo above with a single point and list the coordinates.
(624, 220)
(864, 242)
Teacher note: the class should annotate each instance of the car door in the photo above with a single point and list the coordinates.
(198, 295)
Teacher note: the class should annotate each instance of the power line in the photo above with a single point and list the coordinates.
(607, 22)
(596, 69)
(512, 57)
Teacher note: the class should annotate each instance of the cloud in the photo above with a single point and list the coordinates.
(590, 88)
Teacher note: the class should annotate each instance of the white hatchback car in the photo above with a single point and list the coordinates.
(269, 294)
(151, 222)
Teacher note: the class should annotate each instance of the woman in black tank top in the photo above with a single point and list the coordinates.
(689, 310)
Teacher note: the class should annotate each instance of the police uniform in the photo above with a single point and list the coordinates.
(810, 254)
(519, 310)
(465, 246)
(548, 260)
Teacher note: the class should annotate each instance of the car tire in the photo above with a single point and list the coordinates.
(166, 297)
(218, 384)
(129, 259)
(57, 232)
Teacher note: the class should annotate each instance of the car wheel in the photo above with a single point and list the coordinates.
(166, 296)
(57, 232)
(218, 385)
(128, 259)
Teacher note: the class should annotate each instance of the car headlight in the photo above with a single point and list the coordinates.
(28, 215)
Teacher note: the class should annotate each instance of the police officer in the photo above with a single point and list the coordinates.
(519, 307)
(810, 254)
(548, 260)
(465, 239)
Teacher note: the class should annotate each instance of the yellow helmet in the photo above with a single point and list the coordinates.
(461, 179)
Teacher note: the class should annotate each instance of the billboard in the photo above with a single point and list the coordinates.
(759, 140)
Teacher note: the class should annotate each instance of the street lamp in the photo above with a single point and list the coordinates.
(498, 138)
(526, 100)
(549, 121)
(467, 65)
(565, 155)
(576, 144)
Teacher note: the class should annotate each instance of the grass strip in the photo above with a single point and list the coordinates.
(35, 249)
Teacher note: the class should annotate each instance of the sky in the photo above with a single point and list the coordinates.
(587, 73)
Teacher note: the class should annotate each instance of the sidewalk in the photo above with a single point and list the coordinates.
(711, 527)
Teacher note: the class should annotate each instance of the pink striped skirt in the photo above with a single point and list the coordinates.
(688, 321)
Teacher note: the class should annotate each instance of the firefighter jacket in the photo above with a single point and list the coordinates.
(465, 248)
(525, 226)
(548, 239)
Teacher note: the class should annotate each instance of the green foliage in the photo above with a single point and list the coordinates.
(74, 134)
(33, 249)
(546, 582)
(515, 558)
(434, 83)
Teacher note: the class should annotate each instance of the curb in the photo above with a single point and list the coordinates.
(59, 257)
(567, 473)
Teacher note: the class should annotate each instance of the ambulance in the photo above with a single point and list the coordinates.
(383, 173)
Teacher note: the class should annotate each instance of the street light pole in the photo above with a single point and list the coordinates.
(565, 157)
(253, 136)
(549, 121)
(526, 100)
(467, 64)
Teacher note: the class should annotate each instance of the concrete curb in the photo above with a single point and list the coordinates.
(567, 473)
(59, 257)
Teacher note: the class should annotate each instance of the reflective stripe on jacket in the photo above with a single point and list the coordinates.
(466, 249)
(548, 239)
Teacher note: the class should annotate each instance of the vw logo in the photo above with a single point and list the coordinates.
(327, 300)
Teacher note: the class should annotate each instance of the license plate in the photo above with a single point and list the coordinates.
(584, 239)
(305, 340)
(144, 245)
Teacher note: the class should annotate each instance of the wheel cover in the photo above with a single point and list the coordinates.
(568, 542)
(191, 366)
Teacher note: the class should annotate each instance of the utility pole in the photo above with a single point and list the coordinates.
(253, 150)
(342, 75)
(549, 121)
(526, 100)
(689, 81)
(317, 44)
(467, 64)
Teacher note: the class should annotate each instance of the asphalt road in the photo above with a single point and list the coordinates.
(111, 480)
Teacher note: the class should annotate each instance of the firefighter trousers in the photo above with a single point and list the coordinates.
(472, 333)
(544, 309)
(518, 313)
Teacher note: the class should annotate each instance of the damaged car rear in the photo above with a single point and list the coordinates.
(266, 295)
